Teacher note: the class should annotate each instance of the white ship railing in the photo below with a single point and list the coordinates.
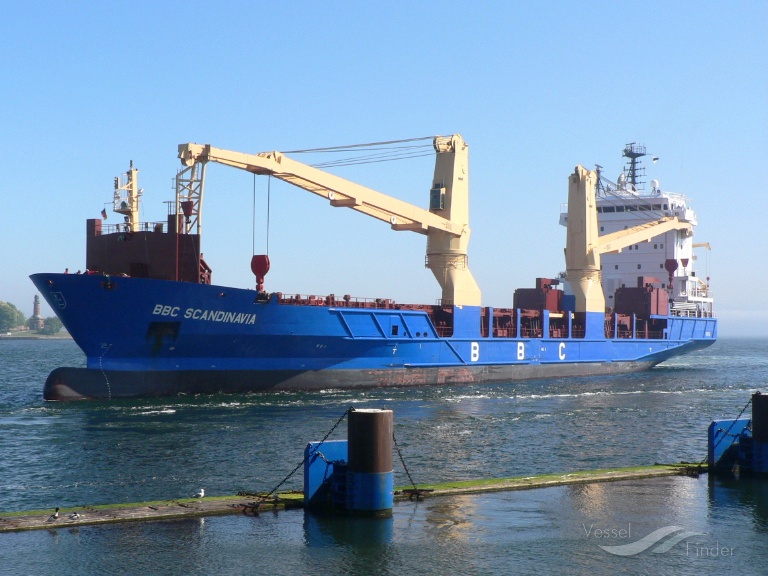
(687, 309)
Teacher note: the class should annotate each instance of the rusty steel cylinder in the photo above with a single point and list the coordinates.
(369, 433)
(370, 476)
(760, 417)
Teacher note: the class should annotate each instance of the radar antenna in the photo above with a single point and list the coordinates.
(634, 152)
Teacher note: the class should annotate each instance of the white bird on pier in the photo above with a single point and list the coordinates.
(53, 517)
(200, 493)
(75, 516)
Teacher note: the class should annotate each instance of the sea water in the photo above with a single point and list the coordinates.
(87, 453)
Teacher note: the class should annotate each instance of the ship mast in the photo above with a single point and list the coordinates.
(634, 152)
(126, 198)
(190, 182)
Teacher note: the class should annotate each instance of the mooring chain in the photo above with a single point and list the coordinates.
(728, 432)
(402, 460)
(284, 480)
(322, 457)
(328, 463)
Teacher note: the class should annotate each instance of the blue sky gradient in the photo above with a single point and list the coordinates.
(534, 88)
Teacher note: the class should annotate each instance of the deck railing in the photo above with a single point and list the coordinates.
(125, 228)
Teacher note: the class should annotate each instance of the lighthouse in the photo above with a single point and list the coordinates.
(36, 322)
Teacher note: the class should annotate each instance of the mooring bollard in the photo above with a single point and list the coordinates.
(760, 417)
(760, 433)
(370, 477)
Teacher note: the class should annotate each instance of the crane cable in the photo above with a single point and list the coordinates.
(253, 218)
(348, 146)
(388, 153)
(269, 199)
(374, 152)
(253, 215)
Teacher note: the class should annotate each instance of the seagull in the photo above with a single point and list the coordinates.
(200, 493)
(53, 517)
(75, 516)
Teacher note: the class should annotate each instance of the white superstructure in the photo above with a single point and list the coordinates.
(669, 257)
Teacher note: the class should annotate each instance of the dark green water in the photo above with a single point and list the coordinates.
(91, 453)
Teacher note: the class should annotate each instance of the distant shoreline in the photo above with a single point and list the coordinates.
(37, 337)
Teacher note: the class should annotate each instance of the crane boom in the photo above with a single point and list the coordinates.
(619, 240)
(338, 191)
(446, 224)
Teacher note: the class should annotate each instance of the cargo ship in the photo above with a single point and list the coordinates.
(151, 321)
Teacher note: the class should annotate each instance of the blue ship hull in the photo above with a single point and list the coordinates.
(148, 337)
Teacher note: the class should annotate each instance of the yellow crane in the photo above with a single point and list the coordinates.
(446, 223)
(584, 245)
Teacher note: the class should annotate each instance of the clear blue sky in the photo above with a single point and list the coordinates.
(534, 88)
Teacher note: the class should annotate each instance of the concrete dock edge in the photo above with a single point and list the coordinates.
(250, 504)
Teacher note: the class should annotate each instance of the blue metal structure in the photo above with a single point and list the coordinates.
(147, 337)
(321, 461)
(724, 436)
(741, 444)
